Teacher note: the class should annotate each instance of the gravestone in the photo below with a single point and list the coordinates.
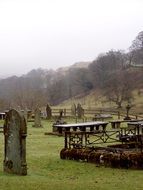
(48, 111)
(80, 111)
(15, 132)
(73, 110)
(37, 119)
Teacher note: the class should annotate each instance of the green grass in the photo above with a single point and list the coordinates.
(46, 171)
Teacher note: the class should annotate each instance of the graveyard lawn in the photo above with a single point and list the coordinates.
(47, 171)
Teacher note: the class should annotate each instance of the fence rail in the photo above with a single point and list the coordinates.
(92, 112)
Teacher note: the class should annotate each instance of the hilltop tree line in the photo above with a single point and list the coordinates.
(113, 72)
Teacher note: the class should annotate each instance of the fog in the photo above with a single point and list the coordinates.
(55, 33)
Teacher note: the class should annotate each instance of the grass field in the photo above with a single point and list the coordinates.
(46, 171)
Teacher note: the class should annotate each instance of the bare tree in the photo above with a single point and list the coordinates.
(136, 50)
(119, 87)
(113, 77)
(137, 42)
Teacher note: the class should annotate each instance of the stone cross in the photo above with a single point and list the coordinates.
(15, 132)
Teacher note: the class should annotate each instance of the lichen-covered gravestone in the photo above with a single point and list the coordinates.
(37, 120)
(15, 132)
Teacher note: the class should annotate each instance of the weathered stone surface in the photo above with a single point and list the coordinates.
(37, 120)
(49, 111)
(73, 110)
(80, 111)
(15, 132)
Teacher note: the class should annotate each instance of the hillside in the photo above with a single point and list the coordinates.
(96, 100)
(81, 64)
(108, 81)
(77, 65)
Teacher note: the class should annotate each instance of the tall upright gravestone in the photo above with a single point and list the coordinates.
(15, 132)
(80, 111)
(49, 111)
(37, 120)
(73, 110)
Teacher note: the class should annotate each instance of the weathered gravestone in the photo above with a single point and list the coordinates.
(37, 120)
(73, 110)
(48, 111)
(80, 111)
(15, 132)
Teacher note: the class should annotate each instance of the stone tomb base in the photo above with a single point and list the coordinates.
(117, 156)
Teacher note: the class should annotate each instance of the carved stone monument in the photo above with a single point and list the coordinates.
(15, 132)
(48, 111)
(37, 120)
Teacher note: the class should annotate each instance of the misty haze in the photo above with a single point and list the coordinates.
(71, 94)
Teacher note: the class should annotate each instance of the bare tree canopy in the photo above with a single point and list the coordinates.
(138, 42)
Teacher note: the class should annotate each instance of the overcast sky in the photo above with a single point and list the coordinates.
(56, 33)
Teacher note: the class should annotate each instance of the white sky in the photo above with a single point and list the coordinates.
(56, 33)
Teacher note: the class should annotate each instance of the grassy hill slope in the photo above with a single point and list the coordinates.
(96, 100)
